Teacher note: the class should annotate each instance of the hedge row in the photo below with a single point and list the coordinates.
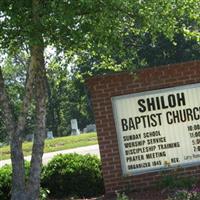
(65, 175)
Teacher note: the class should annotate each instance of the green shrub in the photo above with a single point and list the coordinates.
(121, 196)
(173, 182)
(44, 193)
(5, 182)
(6, 178)
(65, 175)
(73, 175)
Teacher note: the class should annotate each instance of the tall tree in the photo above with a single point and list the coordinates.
(35, 84)
(36, 23)
(70, 25)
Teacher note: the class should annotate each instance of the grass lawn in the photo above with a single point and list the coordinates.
(56, 144)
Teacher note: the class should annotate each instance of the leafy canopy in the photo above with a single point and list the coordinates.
(76, 24)
(64, 23)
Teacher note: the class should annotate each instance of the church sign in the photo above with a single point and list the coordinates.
(158, 129)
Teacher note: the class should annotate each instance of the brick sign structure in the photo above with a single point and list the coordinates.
(147, 122)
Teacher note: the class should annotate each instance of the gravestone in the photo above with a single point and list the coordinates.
(50, 135)
(74, 127)
(90, 128)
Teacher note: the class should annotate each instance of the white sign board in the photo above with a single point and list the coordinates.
(158, 129)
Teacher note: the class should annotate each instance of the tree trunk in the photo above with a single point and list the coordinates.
(36, 82)
(17, 157)
(33, 185)
(51, 120)
(15, 130)
(37, 54)
(16, 150)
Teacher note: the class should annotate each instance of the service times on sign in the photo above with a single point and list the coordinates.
(158, 129)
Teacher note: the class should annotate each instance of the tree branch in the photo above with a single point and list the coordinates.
(26, 100)
(18, 175)
(6, 107)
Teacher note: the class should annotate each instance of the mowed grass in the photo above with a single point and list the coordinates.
(56, 144)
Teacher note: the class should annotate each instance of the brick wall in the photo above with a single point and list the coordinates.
(102, 88)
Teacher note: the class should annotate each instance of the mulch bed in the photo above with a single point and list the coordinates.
(150, 194)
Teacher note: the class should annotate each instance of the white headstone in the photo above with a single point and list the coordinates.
(74, 124)
(50, 135)
(74, 127)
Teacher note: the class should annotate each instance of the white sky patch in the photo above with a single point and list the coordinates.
(2, 59)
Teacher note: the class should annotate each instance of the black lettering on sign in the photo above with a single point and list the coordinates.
(172, 101)
(156, 140)
(177, 116)
(124, 124)
(175, 160)
(155, 155)
(161, 102)
(164, 106)
(146, 121)
(156, 163)
(169, 145)
(181, 99)
(131, 124)
(132, 137)
(151, 105)
(134, 158)
(151, 134)
(141, 103)
(138, 166)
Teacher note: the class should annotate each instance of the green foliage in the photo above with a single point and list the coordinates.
(93, 40)
(14, 76)
(67, 97)
(14, 71)
(68, 24)
(160, 51)
(122, 196)
(5, 182)
(73, 175)
(6, 178)
(180, 188)
(174, 182)
(65, 175)
(44, 193)
(94, 26)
